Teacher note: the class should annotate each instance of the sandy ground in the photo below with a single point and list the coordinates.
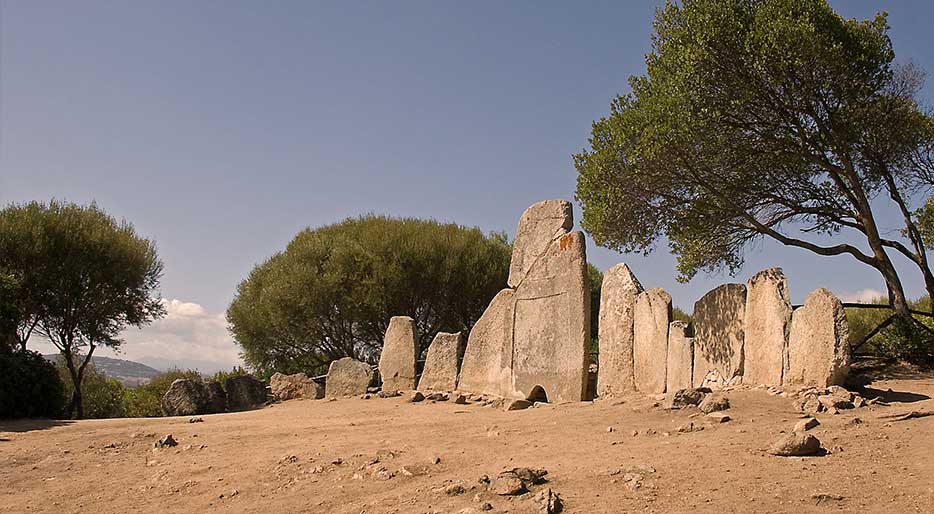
(377, 455)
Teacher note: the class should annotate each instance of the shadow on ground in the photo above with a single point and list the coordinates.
(29, 425)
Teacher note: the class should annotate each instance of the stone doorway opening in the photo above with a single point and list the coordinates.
(538, 395)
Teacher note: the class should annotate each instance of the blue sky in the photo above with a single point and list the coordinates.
(222, 128)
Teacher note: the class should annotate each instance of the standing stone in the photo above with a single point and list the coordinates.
(718, 334)
(348, 377)
(533, 338)
(185, 398)
(680, 356)
(298, 385)
(818, 347)
(442, 362)
(244, 392)
(617, 303)
(767, 326)
(397, 360)
(216, 396)
(652, 315)
(540, 224)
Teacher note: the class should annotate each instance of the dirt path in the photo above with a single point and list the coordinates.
(376, 456)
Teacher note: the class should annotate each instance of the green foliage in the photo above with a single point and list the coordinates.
(596, 282)
(145, 401)
(925, 217)
(30, 386)
(331, 293)
(9, 311)
(900, 340)
(679, 315)
(759, 118)
(103, 396)
(83, 277)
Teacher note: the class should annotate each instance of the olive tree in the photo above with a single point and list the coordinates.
(764, 119)
(83, 277)
(331, 293)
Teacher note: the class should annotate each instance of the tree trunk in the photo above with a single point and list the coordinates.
(76, 407)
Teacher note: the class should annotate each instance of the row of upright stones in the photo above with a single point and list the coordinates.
(742, 333)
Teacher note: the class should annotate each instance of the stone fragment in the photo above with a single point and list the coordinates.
(185, 398)
(718, 417)
(532, 341)
(795, 444)
(652, 316)
(507, 484)
(718, 333)
(244, 392)
(437, 396)
(767, 326)
(830, 401)
(389, 394)
(288, 387)
(442, 362)
(415, 397)
(714, 403)
(348, 377)
(818, 346)
(539, 225)
(397, 359)
(166, 442)
(458, 399)
(806, 424)
(617, 309)
(517, 405)
(680, 356)
(548, 501)
(686, 397)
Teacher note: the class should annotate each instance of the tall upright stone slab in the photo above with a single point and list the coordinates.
(718, 334)
(818, 347)
(767, 327)
(652, 315)
(680, 356)
(397, 360)
(534, 335)
(617, 309)
(442, 362)
(540, 224)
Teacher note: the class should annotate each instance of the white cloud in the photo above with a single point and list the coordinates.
(863, 296)
(189, 336)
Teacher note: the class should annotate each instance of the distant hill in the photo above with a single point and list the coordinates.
(129, 373)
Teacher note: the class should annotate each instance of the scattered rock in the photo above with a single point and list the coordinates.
(516, 481)
(686, 397)
(459, 399)
(718, 417)
(289, 387)
(714, 403)
(390, 394)
(517, 404)
(196, 420)
(795, 444)
(437, 396)
(549, 502)
(436, 460)
(834, 402)
(806, 424)
(454, 489)
(415, 397)
(166, 442)
(820, 498)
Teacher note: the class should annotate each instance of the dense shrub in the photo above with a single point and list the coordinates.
(103, 396)
(898, 340)
(29, 386)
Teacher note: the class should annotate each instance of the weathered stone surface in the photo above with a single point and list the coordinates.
(217, 398)
(533, 340)
(767, 326)
(348, 377)
(818, 347)
(685, 397)
(652, 316)
(185, 398)
(714, 403)
(244, 392)
(718, 333)
(397, 360)
(540, 224)
(806, 424)
(795, 444)
(617, 308)
(680, 356)
(289, 387)
(442, 362)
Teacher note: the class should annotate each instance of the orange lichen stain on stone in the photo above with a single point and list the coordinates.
(565, 242)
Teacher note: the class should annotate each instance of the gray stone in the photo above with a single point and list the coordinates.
(795, 444)
(415, 397)
(818, 347)
(397, 359)
(718, 333)
(680, 356)
(532, 341)
(540, 224)
(652, 316)
(714, 403)
(617, 309)
(442, 363)
(348, 377)
(244, 392)
(185, 398)
(216, 398)
(295, 386)
(767, 326)
(685, 397)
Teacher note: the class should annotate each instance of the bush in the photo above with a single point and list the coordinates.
(29, 386)
(146, 400)
(896, 341)
(102, 396)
